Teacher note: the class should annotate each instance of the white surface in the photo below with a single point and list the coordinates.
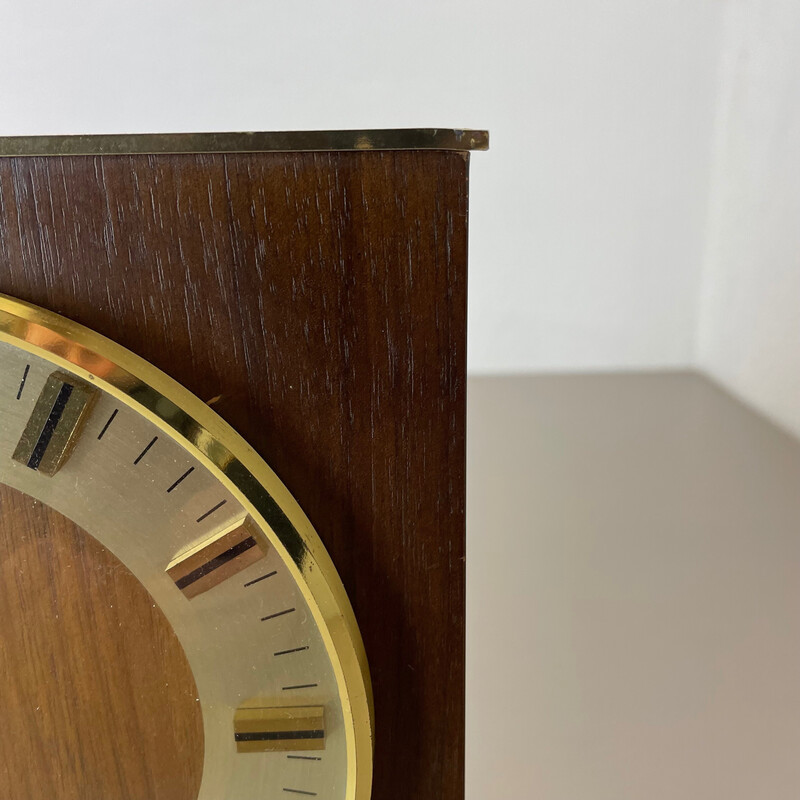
(749, 327)
(633, 604)
(587, 218)
(588, 213)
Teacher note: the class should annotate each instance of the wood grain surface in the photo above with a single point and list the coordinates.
(97, 697)
(319, 302)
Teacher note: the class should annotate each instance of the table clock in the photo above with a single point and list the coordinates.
(182, 621)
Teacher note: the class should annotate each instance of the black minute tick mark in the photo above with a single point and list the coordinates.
(105, 427)
(22, 382)
(144, 452)
(293, 650)
(262, 578)
(279, 614)
(182, 477)
(211, 510)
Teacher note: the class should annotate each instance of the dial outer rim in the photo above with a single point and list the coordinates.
(181, 415)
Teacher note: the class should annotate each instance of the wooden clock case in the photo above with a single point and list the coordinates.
(312, 288)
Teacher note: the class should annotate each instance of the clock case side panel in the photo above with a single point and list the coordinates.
(318, 302)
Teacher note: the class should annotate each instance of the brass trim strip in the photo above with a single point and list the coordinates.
(263, 142)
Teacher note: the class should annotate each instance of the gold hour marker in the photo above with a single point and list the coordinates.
(259, 730)
(216, 559)
(55, 424)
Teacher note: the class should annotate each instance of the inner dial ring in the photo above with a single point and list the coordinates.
(166, 485)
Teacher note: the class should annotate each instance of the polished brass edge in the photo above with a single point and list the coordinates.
(255, 142)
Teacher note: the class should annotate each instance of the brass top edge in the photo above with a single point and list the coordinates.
(254, 142)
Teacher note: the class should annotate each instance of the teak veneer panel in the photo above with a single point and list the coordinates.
(319, 302)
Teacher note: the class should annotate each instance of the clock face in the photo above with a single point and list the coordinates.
(174, 626)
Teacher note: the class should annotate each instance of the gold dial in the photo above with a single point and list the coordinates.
(214, 539)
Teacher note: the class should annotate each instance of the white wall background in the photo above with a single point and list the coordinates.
(637, 207)
(587, 233)
(588, 213)
(749, 322)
